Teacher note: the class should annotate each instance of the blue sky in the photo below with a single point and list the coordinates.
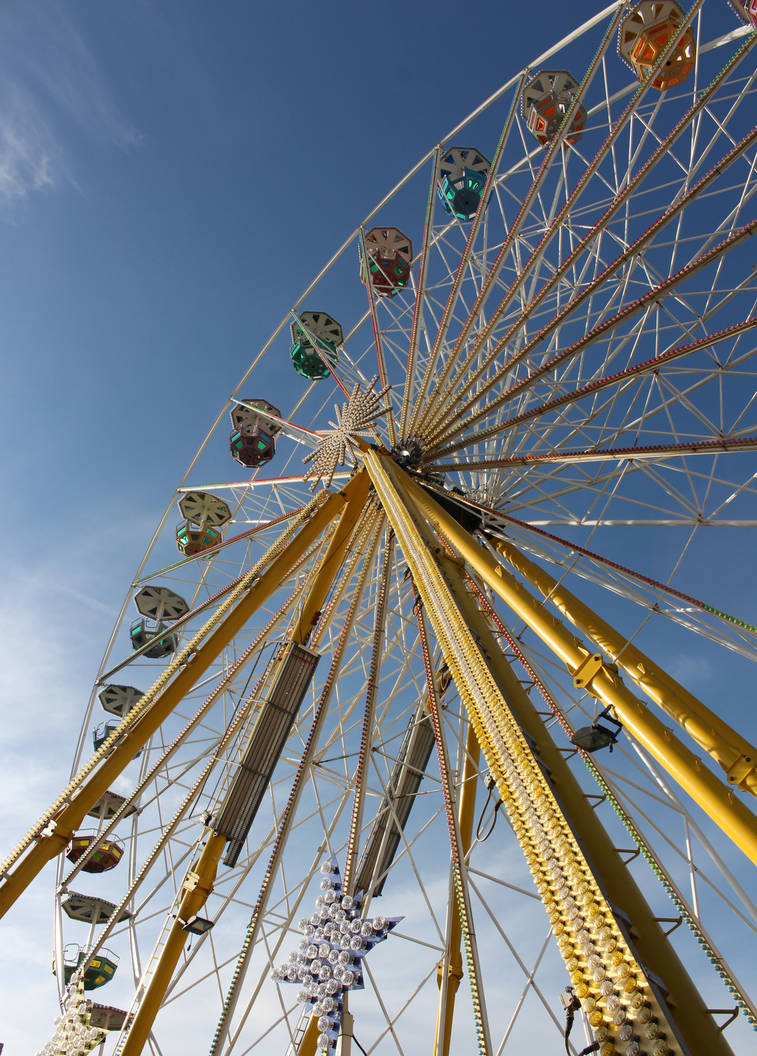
(171, 176)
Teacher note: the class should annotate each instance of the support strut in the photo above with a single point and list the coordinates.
(731, 751)
(564, 844)
(55, 829)
(198, 890)
(603, 681)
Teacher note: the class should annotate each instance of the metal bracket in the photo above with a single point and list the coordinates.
(587, 669)
(453, 972)
(730, 1012)
(191, 881)
(675, 921)
(739, 770)
(632, 852)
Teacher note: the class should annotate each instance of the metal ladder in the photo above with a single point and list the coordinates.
(147, 975)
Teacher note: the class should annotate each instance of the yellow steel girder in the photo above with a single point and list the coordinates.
(55, 829)
(450, 969)
(602, 680)
(199, 882)
(577, 871)
(726, 746)
(648, 942)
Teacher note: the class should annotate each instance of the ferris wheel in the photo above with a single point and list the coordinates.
(425, 728)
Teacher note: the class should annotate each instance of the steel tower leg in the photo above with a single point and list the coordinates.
(627, 976)
(199, 881)
(450, 969)
(56, 828)
(731, 751)
(652, 948)
(601, 680)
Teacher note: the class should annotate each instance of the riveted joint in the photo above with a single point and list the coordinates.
(590, 667)
(453, 972)
(739, 771)
(586, 670)
(191, 881)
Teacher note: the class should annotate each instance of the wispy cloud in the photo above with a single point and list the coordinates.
(52, 84)
(29, 155)
(55, 616)
(690, 669)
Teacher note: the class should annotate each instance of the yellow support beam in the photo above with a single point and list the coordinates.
(603, 681)
(685, 1004)
(452, 965)
(332, 560)
(309, 1042)
(727, 747)
(199, 881)
(431, 588)
(69, 810)
(618, 992)
(197, 886)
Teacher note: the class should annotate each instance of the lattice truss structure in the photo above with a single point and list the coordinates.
(534, 525)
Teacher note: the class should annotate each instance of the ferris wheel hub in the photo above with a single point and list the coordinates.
(408, 453)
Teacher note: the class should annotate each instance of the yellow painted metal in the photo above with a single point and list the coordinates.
(451, 965)
(369, 526)
(731, 751)
(428, 580)
(333, 558)
(68, 811)
(346, 1028)
(197, 886)
(360, 773)
(583, 918)
(687, 769)
(199, 881)
(309, 1041)
(648, 941)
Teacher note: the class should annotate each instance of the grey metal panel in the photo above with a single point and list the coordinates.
(89, 908)
(394, 811)
(297, 666)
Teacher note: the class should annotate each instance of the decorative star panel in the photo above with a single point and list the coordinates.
(329, 960)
